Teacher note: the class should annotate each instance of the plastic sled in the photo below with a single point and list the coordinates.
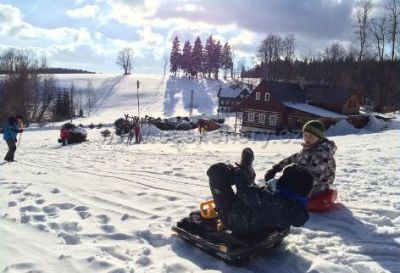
(322, 202)
(232, 248)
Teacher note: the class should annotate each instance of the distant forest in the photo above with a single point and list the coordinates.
(55, 70)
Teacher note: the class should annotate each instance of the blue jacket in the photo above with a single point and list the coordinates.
(11, 129)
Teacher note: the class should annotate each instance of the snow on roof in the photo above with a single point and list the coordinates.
(230, 93)
(313, 110)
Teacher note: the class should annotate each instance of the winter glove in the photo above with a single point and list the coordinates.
(271, 173)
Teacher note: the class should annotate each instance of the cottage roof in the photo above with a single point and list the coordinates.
(315, 94)
(285, 91)
(230, 92)
(304, 107)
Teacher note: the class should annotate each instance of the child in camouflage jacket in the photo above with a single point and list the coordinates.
(316, 156)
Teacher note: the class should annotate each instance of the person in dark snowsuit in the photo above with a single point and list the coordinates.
(255, 209)
(10, 132)
(316, 156)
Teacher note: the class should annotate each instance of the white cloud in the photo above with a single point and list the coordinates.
(190, 8)
(131, 14)
(87, 11)
(150, 37)
(244, 37)
(10, 17)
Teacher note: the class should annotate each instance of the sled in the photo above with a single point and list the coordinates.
(322, 202)
(231, 248)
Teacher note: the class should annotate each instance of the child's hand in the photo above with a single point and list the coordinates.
(271, 173)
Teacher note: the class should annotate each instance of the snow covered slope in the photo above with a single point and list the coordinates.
(103, 206)
(159, 96)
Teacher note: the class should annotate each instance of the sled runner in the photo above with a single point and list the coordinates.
(231, 248)
(322, 202)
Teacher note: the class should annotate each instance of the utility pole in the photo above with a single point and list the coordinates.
(236, 118)
(191, 104)
(137, 94)
(72, 102)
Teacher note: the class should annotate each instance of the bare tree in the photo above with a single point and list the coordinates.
(165, 59)
(288, 47)
(125, 59)
(378, 30)
(90, 96)
(270, 48)
(233, 61)
(334, 52)
(392, 8)
(363, 13)
(18, 66)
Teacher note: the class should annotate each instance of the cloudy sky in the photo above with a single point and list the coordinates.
(88, 34)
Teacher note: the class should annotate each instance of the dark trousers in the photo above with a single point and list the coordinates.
(11, 150)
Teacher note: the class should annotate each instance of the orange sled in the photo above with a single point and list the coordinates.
(322, 202)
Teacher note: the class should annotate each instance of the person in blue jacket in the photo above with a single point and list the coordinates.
(10, 132)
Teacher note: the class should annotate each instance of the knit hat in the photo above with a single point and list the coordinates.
(314, 127)
(296, 179)
(247, 157)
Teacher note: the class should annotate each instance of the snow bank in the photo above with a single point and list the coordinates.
(373, 126)
(150, 130)
(341, 128)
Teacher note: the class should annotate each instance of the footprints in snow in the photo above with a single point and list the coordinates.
(103, 221)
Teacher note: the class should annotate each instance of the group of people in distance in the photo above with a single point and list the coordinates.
(278, 203)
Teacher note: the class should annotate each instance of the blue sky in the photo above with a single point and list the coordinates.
(88, 34)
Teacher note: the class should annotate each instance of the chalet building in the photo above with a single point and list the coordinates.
(274, 106)
(228, 98)
(337, 100)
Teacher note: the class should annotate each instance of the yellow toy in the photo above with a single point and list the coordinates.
(207, 210)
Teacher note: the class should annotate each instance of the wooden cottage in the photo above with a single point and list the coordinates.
(229, 98)
(274, 106)
(337, 100)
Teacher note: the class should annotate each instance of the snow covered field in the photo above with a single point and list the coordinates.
(103, 206)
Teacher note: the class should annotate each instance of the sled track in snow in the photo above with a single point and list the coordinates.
(147, 186)
(107, 94)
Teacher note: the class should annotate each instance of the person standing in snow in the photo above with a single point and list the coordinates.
(11, 129)
(138, 136)
(316, 156)
(253, 208)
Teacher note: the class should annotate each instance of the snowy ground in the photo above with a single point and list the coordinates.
(103, 206)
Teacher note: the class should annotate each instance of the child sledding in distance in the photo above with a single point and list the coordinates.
(254, 209)
(317, 157)
(63, 135)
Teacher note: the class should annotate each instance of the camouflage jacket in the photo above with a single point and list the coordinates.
(318, 160)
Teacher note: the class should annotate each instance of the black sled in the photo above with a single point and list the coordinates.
(232, 248)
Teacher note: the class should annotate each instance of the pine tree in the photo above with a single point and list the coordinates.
(197, 57)
(175, 57)
(57, 108)
(186, 62)
(227, 62)
(66, 106)
(216, 60)
(208, 56)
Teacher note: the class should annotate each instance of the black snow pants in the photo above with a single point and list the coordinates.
(11, 150)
